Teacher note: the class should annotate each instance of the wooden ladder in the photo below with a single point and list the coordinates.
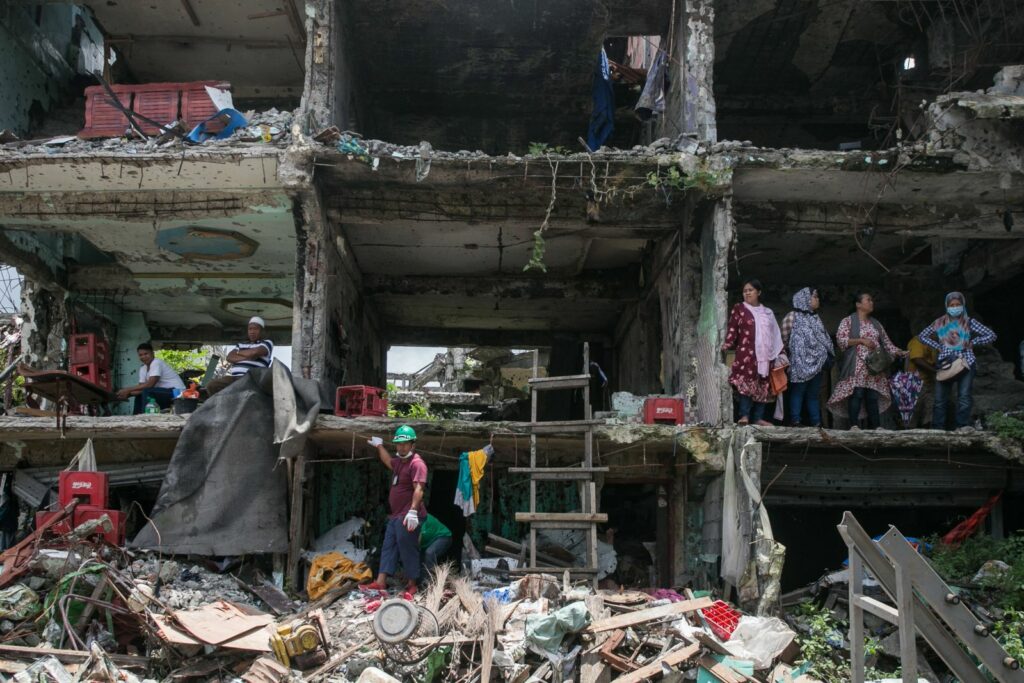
(588, 519)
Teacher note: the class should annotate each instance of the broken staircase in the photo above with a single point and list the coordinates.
(583, 474)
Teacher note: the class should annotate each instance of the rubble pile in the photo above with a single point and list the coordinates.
(73, 605)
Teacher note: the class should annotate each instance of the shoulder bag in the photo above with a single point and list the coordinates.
(878, 359)
(951, 368)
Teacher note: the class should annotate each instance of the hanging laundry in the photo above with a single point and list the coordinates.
(602, 117)
(471, 471)
(652, 98)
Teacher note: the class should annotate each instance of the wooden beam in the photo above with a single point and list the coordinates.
(654, 668)
(647, 615)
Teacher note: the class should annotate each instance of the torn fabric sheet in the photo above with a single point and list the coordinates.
(225, 492)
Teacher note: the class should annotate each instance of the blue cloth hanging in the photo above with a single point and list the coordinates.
(602, 117)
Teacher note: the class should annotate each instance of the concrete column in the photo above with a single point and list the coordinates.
(690, 105)
(336, 336)
(45, 326)
(714, 397)
(131, 331)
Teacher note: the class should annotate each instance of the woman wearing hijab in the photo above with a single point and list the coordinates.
(809, 346)
(858, 335)
(755, 335)
(954, 336)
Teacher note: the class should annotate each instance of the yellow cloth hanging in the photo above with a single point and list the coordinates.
(477, 462)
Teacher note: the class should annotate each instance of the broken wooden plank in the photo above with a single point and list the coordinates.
(646, 615)
(339, 659)
(672, 658)
(71, 656)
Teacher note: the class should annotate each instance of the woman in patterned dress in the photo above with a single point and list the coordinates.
(755, 335)
(858, 335)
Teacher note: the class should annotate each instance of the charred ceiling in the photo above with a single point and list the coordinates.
(794, 73)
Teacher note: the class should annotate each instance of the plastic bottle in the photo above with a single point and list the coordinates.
(152, 408)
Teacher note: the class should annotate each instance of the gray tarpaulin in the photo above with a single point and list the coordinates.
(226, 489)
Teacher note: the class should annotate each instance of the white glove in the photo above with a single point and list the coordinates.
(412, 520)
(375, 441)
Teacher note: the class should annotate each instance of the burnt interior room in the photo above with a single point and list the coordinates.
(814, 75)
(469, 75)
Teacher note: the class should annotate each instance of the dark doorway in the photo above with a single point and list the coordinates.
(441, 504)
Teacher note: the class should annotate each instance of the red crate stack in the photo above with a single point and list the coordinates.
(156, 101)
(89, 358)
(89, 348)
(360, 401)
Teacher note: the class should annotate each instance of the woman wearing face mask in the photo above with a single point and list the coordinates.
(755, 335)
(954, 336)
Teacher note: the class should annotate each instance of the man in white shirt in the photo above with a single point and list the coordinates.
(157, 381)
(253, 353)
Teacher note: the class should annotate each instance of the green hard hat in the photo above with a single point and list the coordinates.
(404, 433)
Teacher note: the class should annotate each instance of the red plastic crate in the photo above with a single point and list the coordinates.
(90, 488)
(360, 400)
(102, 118)
(196, 105)
(158, 102)
(721, 619)
(664, 411)
(88, 348)
(92, 372)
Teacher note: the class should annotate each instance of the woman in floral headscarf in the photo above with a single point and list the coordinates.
(810, 347)
(954, 335)
(755, 335)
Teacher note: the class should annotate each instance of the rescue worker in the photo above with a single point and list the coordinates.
(435, 540)
(405, 500)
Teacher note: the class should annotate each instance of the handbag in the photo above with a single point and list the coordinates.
(878, 360)
(777, 380)
(951, 368)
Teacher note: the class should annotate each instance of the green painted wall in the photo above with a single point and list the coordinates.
(39, 55)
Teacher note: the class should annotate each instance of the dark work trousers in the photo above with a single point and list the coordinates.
(433, 552)
(400, 544)
(163, 397)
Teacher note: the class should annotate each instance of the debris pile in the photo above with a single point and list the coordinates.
(75, 607)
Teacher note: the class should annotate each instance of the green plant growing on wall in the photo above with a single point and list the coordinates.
(542, 148)
(1006, 426)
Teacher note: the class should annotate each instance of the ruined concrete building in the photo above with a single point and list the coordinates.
(861, 144)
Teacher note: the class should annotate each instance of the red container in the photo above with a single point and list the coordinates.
(196, 105)
(664, 411)
(89, 488)
(360, 401)
(88, 348)
(102, 118)
(721, 619)
(158, 101)
(92, 372)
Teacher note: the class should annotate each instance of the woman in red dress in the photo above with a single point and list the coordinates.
(754, 333)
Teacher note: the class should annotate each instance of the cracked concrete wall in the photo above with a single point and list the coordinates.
(336, 336)
(690, 102)
(45, 327)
